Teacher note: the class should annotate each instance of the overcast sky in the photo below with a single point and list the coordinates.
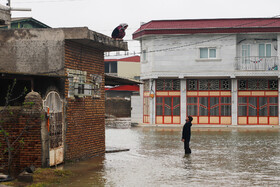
(104, 15)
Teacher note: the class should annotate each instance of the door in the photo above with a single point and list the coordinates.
(168, 110)
(245, 54)
(53, 105)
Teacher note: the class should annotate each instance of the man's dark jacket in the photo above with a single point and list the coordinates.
(186, 134)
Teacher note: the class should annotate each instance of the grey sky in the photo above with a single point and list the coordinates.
(104, 15)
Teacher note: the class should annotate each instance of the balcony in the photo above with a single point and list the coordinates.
(256, 63)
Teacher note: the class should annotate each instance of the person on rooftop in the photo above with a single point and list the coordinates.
(119, 32)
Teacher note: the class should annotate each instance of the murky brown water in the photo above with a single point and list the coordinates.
(156, 158)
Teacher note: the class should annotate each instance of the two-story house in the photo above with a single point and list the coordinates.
(128, 67)
(220, 71)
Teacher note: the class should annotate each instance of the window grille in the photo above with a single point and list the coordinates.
(212, 84)
(225, 85)
(273, 84)
(242, 85)
(258, 84)
(168, 85)
(192, 84)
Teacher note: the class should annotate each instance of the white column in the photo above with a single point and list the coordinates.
(183, 100)
(153, 101)
(234, 101)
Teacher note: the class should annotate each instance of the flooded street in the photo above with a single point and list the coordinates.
(156, 158)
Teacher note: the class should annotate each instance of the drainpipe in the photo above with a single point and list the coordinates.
(152, 96)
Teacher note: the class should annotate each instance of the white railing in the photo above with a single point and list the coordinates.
(256, 63)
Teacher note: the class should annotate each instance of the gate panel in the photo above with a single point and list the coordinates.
(53, 105)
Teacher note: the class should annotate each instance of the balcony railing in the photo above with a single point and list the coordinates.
(257, 63)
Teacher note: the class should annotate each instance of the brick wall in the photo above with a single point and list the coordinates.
(85, 124)
(23, 123)
(118, 107)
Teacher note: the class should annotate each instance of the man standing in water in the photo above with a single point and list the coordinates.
(186, 134)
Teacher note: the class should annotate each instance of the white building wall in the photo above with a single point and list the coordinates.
(147, 58)
(179, 55)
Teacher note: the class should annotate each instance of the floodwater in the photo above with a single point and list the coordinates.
(156, 158)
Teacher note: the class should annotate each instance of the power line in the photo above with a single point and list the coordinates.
(209, 40)
(203, 41)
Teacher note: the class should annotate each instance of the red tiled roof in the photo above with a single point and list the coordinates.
(236, 25)
(125, 88)
(128, 59)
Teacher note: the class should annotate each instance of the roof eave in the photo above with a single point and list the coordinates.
(140, 34)
(88, 37)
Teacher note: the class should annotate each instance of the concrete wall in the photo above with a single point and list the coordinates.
(128, 69)
(137, 108)
(34, 51)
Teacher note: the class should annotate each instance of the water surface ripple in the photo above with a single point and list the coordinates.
(156, 158)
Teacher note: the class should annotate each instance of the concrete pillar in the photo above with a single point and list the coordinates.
(278, 100)
(183, 100)
(234, 101)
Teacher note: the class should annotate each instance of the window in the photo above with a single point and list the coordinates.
(258, 106)
(144, 55)
(168, 106)
(111, 67)
(207, 53)
(209, 106)
(265, 50)
(246, 53)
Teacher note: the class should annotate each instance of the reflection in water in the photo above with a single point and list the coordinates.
(156, 158)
